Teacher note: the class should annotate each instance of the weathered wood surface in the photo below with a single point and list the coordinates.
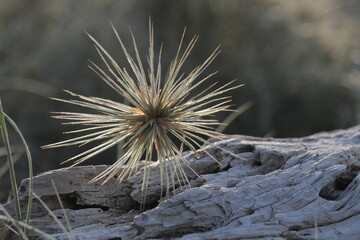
(300, 188)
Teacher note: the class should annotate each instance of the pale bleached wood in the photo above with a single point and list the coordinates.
(298, 188)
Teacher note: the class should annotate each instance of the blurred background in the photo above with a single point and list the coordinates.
(299, 61)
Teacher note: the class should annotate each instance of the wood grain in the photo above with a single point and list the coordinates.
(296, 188)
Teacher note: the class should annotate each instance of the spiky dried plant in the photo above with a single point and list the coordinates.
(158, 110)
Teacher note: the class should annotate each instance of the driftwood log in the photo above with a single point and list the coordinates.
(298, 188)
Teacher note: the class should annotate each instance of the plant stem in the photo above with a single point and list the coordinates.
(28, 154)
(14, 187)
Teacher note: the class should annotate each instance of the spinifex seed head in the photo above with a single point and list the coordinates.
(159, 110)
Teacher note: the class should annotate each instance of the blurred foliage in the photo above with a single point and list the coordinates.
(299, 60)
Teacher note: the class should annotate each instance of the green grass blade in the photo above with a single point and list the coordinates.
(28, 154)
(14, 187)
